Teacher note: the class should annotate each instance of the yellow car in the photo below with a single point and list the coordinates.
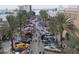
(21, 45)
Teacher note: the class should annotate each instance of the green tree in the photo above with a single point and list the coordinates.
(4, 29)
(16, 22)
(43, 14)
(59, 23)
(21, 17)
(12, 27)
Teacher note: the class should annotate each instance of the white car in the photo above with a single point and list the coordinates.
(52, 48)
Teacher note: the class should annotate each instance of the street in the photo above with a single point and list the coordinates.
(36, 46)
(39, 30)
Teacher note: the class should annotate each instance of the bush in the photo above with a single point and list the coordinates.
(73, 42)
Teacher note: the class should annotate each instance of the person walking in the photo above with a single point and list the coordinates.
(40, 52)
(43, 52)
(35, 40)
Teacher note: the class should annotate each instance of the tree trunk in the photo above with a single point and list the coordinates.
(12, 44)
(61, 39)
(20, 26)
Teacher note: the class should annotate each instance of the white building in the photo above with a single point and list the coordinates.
(25, 7)
(53, 12)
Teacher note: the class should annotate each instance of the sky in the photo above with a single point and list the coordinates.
(44, 6)
(8, 6)
(33, 6)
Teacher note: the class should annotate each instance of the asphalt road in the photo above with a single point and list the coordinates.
(37, 45)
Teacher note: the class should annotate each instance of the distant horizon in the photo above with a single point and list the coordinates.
(2, 7)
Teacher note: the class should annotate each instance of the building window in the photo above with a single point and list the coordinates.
(74, 16)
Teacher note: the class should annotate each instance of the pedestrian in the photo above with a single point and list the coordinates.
(43, 52)
(40, 52)
(39, 41)
(35, 40)
(36, 34)
(65, 46)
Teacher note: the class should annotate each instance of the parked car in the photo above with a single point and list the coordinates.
(33, 17)
(21, 48)
(52, 48)
(20, 45)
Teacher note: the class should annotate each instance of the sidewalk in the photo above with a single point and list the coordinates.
(6, 47)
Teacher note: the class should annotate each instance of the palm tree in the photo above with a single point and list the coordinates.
(22, 16)
(59, 23)
(44, 14)
(12, 27)
(4, 28)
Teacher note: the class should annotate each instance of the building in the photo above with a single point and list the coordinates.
(25, 7)
(73, 13)
(53, 12)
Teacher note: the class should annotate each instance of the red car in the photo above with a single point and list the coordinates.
(24, 52)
